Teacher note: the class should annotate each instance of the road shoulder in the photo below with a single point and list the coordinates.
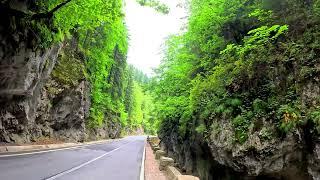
(6, 151)
(152, 171)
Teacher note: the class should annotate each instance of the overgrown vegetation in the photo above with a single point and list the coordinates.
(69, 69)
(139, 103)
(98, 54)
(247, 63)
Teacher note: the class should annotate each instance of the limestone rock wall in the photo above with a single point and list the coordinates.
(23, 76)
(40, 95)
(215, 155)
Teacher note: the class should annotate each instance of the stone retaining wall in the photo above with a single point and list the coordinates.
(166, 163)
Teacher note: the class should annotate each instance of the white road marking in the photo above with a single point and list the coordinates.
(84, 164)
(142, 163)
(51, 150)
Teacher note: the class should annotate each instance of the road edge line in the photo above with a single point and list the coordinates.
(40, 151)
(143, 160)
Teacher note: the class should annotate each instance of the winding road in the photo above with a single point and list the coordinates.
(117, 160)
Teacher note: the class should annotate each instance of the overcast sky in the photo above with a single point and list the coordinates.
(148, 30)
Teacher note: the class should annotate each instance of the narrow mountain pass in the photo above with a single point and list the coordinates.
(119, 160)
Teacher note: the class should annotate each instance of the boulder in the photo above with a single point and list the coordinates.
(155, 148)
(154, 140)
(164, 162)
(159, 154)
(172, 173)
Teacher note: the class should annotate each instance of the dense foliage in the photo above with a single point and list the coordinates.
(99, 42)
(244, 62)
(139, 102)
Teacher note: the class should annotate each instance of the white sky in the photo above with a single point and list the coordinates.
(148, 30)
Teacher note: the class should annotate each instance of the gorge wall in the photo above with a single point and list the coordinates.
(239, 91)
(214, 156)
(64, 73)
(36, 101)
(44, 91)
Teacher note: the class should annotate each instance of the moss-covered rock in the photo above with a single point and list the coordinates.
(70, 69)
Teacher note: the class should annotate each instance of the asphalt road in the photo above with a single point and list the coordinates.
(118, 160)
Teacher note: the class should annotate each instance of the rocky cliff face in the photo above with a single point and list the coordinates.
(27, 112)
(215, 155)
(36, 102)
(214, 158)
(23, 75)
(43, 91)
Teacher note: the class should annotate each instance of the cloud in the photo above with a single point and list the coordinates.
(147, 32)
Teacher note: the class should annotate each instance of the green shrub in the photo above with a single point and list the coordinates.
(314, 115)
(290, 117)
(241, 125)
(201, 129)
(68, 71)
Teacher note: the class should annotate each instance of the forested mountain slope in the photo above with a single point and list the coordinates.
(63, 72)
(238, 92)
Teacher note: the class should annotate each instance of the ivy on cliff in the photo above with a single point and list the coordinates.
(243, 62)
(98, 29)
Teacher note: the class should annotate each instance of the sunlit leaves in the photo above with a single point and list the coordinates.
(104, 41)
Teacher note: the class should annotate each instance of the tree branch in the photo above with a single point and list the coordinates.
(8, 10)
(51, 12)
